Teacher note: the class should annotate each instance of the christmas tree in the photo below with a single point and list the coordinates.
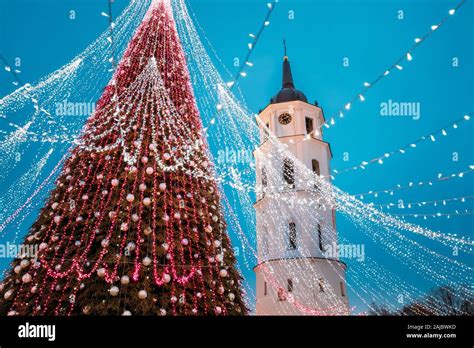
(134, 225)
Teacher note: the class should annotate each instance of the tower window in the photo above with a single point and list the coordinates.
(290, 285)
(316, 170)
(266, 132)
(321, 285)
(343, 289)
(309, 125)
(264, 180)
(292, 235)
(289, 172)
(265, 291)
(320, 237)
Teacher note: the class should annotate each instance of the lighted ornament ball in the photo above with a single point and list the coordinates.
(127, 313)
(166, 278)
(131, 246)
(162, 312)
(55, 205)
(114, 290)
(231, 296)
(34, 289)
(124, 226)
(177, 215)
(144, 160)
(162, 186)
(152, 147)
(166, 217)
(8, 294)
(218, 310)
(112, 214)
(146, 201)
(149, 170)
(219, 257)
(135, 217)
(43, 246)
(101, 272)
(142, 294)
(146, 261)
(26, 278)
(184, 242)
(105, 243)
(125, 280)
(142, 187)
(115, 182)
(220, 290)
(194, 311)
(217, 243)
(130, 198)
(223, 273)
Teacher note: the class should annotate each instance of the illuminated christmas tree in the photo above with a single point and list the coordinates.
(134, 224)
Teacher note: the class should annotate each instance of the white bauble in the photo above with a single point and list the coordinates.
(142, 187)
(162, 186)
(144, 160)
(146, 261)
(26, 278)
(208, 229)
(17, 269)
(124, 226)
(127, 313)
(149, 170)
(115, 182)
(112, 214)
(114, 290)
(101, 272)
(34, 289)
(131, 246)
(152, 147)
(142, 294)
(43, 246)
(220, 257)
(198, 295)
(162, 312)
(220, 290)
(177, 215)
(223, 273)
(54, 205)
(217, 243)
(231, 296)
(146, 201)
(194, 311)
(135, 217)
(218, 310)
(130, 198)
(105, 243)
(24, 263)
(8, 294)
(125, 280)
(166, 217)
(165, 246)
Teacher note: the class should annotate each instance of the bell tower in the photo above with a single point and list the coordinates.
(295, 275)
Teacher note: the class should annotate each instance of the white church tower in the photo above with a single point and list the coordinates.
(295, 275)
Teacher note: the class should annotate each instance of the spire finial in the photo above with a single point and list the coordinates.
(285, 57)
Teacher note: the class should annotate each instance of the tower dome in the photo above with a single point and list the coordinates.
(288, 91)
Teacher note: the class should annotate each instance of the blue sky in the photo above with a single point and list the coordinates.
(319, 37)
